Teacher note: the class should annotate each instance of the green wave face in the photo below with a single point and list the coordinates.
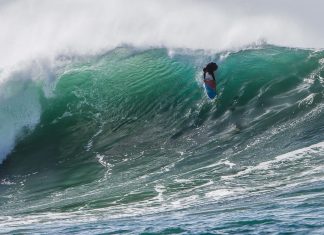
(132, 133)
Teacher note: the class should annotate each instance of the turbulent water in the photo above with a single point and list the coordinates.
(128, 142)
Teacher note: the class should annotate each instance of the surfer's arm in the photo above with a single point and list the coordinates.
(213, 75)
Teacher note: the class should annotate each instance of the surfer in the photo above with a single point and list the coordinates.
(209, 79)
(209, 71)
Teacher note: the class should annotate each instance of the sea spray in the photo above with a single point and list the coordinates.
(32, 29)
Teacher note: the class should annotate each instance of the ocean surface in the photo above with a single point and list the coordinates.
(127, 142)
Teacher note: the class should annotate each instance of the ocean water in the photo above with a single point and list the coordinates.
(128, 142)
(107, 129)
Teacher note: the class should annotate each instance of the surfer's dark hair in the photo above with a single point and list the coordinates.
(211, 67)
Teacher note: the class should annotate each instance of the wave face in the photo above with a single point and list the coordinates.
(127, 142)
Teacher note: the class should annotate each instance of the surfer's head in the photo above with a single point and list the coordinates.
(211, 67)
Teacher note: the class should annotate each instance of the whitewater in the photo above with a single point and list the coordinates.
(105, 126)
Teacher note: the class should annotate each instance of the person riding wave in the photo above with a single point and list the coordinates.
(210, 80)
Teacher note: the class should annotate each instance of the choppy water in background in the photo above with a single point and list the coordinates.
(128, 142)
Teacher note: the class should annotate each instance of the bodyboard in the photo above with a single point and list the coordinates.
(210, 86)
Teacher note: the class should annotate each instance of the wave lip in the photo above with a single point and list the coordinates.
(18, 113)
(20, 102)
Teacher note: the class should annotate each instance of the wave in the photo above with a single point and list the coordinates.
(259, 88)
(116, 91)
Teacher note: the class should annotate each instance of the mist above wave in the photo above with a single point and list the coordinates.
(35, 28)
